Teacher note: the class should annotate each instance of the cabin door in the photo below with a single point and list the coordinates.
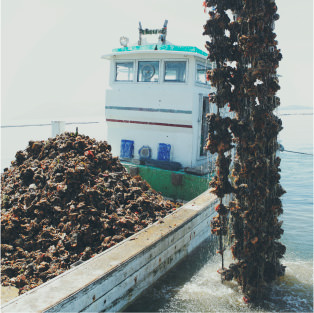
(204, 125)
(206, 108)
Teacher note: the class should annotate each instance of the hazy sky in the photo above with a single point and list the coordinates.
(51, 49)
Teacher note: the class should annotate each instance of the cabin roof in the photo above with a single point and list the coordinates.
(153, 48)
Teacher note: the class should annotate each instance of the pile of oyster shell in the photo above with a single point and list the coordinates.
(65, 200)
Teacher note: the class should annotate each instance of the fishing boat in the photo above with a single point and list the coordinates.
(156, 107)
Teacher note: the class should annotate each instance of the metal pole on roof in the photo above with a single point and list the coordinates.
(140, 29)
(165, 28)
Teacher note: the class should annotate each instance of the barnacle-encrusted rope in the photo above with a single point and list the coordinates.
(246, 57)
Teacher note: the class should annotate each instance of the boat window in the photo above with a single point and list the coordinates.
(148, 71)
(201, 70)
(175, 71)
(124, 71)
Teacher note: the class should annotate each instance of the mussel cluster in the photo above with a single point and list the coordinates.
(244, 52)
(63, 201)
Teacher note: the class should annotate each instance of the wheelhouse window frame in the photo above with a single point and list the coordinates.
(206, 68)
(150, 70)
(161, 70)
(185, 74)
(132, 72)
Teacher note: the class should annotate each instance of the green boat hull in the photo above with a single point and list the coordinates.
(176, 185)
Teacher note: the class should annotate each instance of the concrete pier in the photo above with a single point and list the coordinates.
(113, 279)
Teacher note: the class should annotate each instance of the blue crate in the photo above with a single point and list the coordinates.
(127, 149)
(163, 152)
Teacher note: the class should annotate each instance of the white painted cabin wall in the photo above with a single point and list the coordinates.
(158, 95)
(153, 135)
(149, 96)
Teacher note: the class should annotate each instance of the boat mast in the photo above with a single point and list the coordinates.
(146, 31)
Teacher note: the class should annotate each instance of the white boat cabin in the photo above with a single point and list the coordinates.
(157, 102)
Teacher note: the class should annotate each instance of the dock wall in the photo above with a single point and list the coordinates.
(113, 279)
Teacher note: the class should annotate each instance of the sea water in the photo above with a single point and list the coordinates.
(194, 285)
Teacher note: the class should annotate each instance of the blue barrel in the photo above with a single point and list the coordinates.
(127, 149)
(163, 152)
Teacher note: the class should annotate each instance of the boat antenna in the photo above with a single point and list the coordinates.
(140, 31)
(146, 31)
(163, 35)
